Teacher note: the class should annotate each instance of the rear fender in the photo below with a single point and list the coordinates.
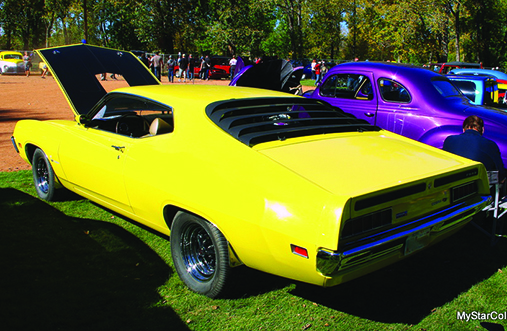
(435, 137)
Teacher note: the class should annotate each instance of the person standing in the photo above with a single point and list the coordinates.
(201, 68)
(191, 67)
(317, 73)
(206, 66)
(320, 71)
(156, 60)
(27, 61)
(314, 63)
(183, 67)
(232, 63)
(170, 69)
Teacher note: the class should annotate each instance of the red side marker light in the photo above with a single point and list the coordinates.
(299, 251)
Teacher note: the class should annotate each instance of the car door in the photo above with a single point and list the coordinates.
(93, 161)
(396, 110)
(352, 92)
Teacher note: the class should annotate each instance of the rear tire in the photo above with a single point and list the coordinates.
(200, 254)
(43, 176)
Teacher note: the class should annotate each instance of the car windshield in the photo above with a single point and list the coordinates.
(120, 105)
(468, 88)
(13, 57)
(445, 88)
(255, 121)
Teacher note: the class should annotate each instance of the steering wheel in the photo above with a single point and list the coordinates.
(131, 124)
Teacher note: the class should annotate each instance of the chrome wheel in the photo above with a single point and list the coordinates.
(41, 176)
(198, 252)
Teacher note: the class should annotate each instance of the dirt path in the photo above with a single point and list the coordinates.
(36, 98)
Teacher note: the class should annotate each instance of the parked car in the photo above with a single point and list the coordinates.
(220, 67)
(500, 77)
(481, 90)
(445, 68)
(279, 183)
(11, 63)
(408, 100)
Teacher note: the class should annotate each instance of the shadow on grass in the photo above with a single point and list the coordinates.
(63, 273)
(407, 291)
(245, 282)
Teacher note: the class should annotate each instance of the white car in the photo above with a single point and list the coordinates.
(11, 63)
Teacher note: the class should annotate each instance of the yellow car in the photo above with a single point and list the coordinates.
(11, 63)
(279, 183)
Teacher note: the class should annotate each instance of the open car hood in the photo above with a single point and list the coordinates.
(75, 68)
(277, 75)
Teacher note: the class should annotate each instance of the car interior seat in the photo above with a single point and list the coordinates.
(159, 126)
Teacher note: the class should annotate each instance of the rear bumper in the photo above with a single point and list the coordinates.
(395, 244)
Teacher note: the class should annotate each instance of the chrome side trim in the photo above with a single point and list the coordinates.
(14, 143)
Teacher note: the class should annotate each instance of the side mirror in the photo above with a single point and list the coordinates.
(83, 120)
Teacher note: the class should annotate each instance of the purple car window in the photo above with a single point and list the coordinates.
(347, 86)
(393, 91)
(445, 88)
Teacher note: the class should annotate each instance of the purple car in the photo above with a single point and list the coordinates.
(408, 100)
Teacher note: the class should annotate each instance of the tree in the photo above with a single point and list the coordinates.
(324, 28)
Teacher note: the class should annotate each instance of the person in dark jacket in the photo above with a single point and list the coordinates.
(183, 68)
(472, 145)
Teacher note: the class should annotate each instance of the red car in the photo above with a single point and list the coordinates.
(444, 68)
(220, 68)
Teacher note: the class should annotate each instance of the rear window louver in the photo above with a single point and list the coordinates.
(254, 121)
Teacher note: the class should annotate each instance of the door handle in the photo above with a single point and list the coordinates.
(118, 148)
(369, 114)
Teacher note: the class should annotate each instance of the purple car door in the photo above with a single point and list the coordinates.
(394, 106)
(352, 92)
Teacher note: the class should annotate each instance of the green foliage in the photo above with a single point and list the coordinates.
(407, 31)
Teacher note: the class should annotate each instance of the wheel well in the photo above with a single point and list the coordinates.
(436, 136)
(29, 151)
(169, 212)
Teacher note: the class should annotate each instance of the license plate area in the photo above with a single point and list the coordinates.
(416, 241)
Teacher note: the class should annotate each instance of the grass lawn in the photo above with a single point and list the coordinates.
(71, 265)
(308, 82)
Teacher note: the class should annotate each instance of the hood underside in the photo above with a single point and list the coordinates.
(75, 67)
(276, 75)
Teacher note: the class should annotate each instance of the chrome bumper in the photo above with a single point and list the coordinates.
(404, 240)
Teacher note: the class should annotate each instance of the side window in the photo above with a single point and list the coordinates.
(133, 116)
(347, 86)
(393, 91)
(445, 88)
